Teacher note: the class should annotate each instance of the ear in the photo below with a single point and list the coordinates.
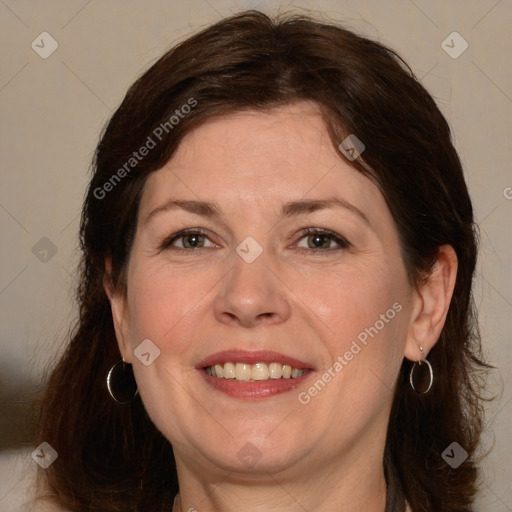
(430, 305)
(119, 310)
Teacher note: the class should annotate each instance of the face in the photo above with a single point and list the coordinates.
(290, 258)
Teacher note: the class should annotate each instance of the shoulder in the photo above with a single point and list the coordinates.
(18, 484)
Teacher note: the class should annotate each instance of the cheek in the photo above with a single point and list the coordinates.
(363, 321)
(353, 299)
(159, 301)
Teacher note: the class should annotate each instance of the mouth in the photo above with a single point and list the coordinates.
(255, 375)
(258, 372)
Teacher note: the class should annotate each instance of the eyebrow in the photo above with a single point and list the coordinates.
(313, 205)
(290, 209)
(203, 208)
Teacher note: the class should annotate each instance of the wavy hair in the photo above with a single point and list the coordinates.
(112, 457)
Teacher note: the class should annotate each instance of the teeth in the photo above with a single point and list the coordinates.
(229, 371)
(242, 371)
(260, 372)
(275, 370)
(254, 372)
(296, 373)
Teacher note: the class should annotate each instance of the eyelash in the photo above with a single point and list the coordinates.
(342, 242)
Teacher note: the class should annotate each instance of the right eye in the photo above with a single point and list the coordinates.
(187, 239)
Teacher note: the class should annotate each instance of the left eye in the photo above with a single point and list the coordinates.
(322, 240)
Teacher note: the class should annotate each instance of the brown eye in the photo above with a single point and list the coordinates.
(192, 240)
(319, 241)
(322, 241)
(187, 239)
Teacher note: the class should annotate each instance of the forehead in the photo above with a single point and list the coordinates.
(287, 137)
(254, 157)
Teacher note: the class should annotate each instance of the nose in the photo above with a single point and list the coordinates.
(251, 294)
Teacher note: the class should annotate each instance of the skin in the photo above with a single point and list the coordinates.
(308, 303)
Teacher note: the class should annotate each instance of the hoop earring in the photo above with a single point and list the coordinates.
(121, 383)
(431, 374)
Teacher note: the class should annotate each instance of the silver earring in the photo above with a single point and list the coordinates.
(431, 374)
(121, 383)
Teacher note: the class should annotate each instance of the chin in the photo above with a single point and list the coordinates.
(246, 454)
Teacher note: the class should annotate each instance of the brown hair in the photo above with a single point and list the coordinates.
(112, 457)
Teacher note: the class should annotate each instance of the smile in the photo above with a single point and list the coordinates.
(254, 372)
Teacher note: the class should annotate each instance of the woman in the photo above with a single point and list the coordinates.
(278, 245)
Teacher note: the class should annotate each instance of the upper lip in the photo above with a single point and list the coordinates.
(252, 357)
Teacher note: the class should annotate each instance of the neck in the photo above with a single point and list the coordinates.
(323, 488)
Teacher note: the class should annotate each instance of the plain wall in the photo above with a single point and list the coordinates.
(53, 109)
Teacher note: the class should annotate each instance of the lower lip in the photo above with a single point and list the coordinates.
(254, 390)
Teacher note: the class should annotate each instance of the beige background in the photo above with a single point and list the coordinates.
(53, 109)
